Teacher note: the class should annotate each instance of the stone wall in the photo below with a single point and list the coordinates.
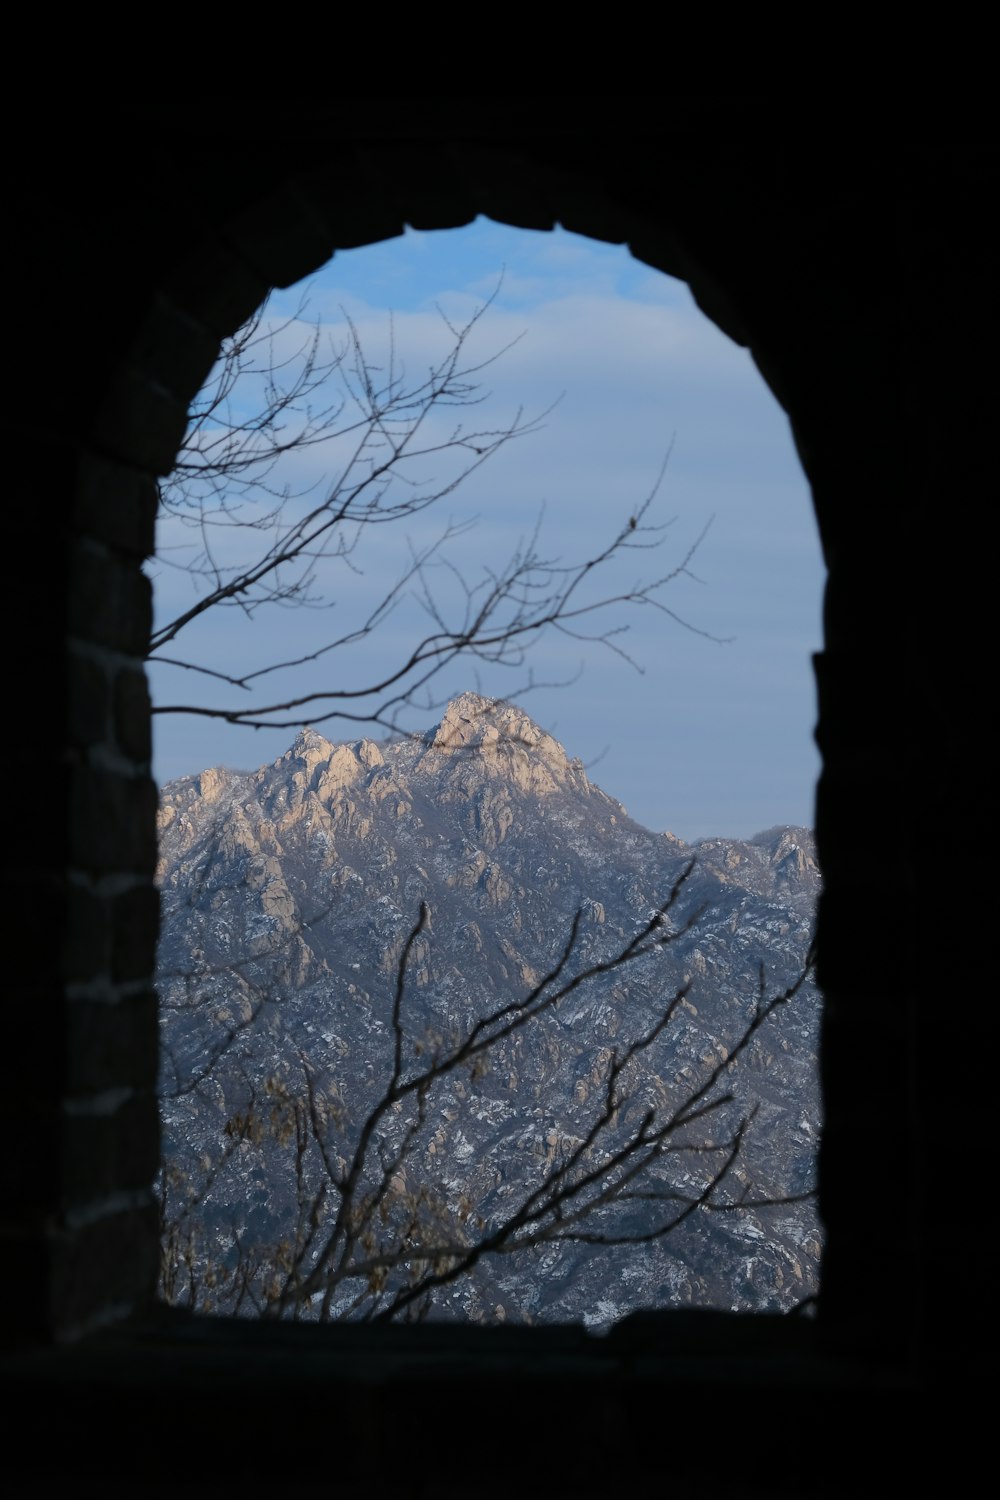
(843, 268)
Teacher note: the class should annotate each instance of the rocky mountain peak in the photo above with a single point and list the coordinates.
(288, 896)
(472, 720)
(502, 741)
(309, 746)
(212, 783)
(320, 765)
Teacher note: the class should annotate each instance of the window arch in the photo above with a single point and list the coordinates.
(784, 287)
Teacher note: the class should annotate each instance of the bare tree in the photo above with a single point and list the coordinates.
(368, 1234)
(250, 532)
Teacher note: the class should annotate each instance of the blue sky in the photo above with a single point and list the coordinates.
(701, 737)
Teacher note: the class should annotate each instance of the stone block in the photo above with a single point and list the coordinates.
(175, 349)
(112, 822)
(89, 702)
(111, 1046)
(103, 1269)
(110, 601)
(87, 951)
(141, 422)
(107, 1154)
(132, 721)
(280, 237)
(116, 505)
(354, 200)
(135, 926)
(217, 288)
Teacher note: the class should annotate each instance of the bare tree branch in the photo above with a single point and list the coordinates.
(362, 1239)
(260, 541)
(359, 1222)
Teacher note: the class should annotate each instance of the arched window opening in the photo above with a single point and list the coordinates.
(296, 982)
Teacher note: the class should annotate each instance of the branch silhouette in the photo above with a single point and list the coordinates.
(369, 1236)
(251, 532)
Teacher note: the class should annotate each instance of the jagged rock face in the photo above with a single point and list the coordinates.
(288, 893)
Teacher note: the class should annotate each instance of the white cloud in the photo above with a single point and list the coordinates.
(711, 739)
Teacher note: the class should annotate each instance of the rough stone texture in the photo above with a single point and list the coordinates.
(89, 701)
(213, 279)
(110, 825)
(288, 893)
(116, 505)
(859, 271)
(109, 1044)
(109, 1153)
(133, 727)
(111, 602)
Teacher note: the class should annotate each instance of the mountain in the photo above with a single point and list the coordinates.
(290, 896)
